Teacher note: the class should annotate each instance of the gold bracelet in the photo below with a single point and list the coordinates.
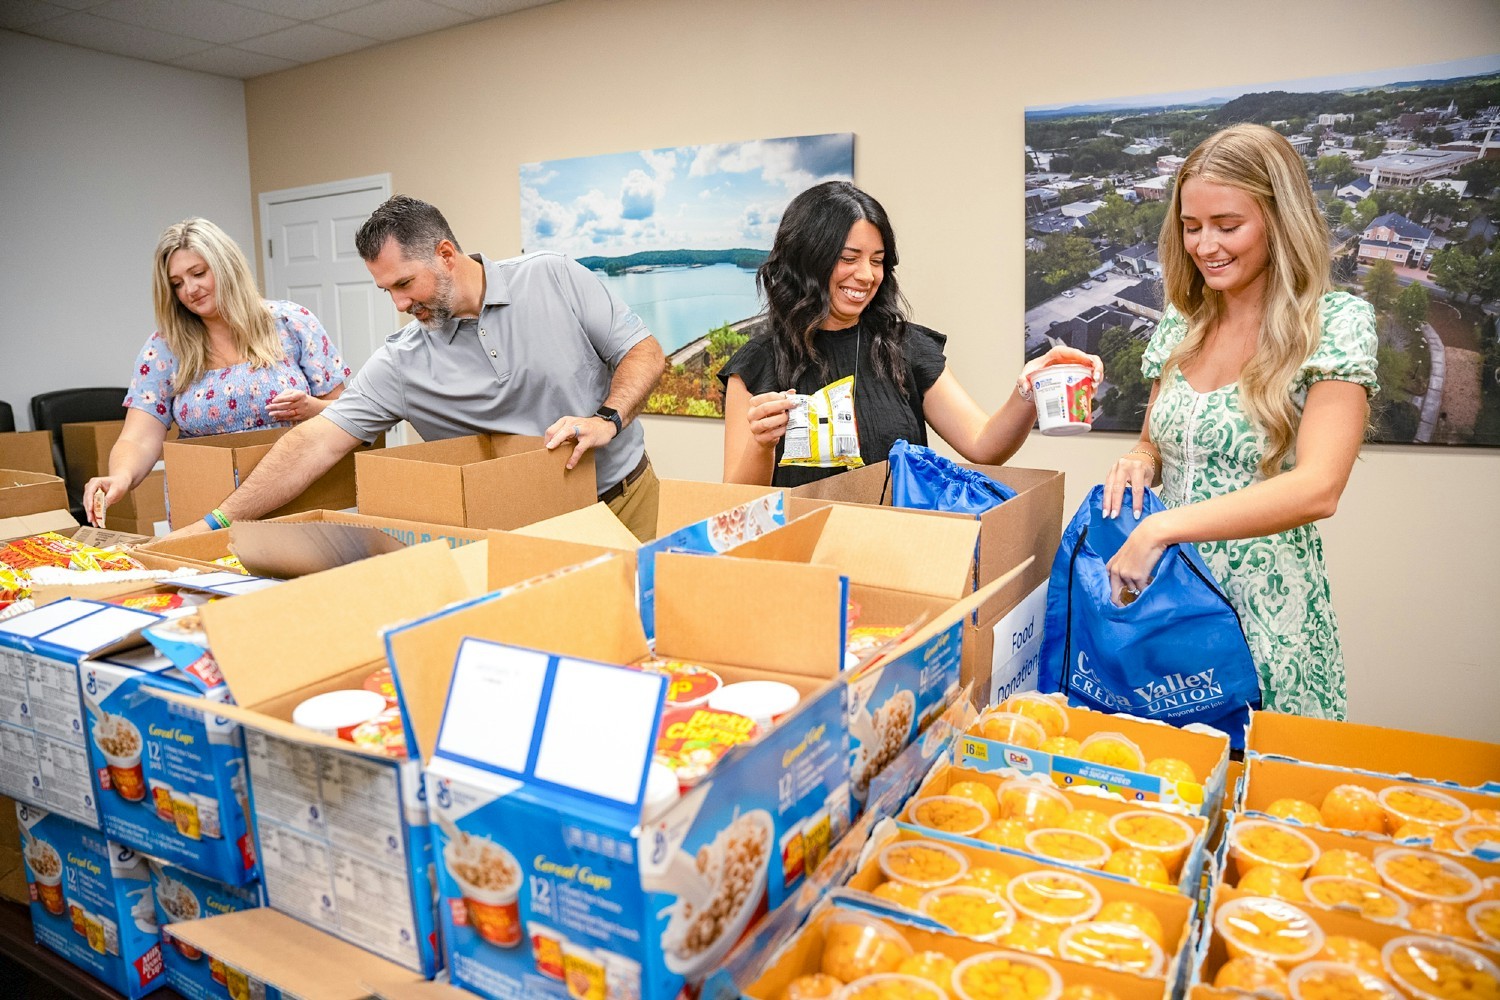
(1147, 454)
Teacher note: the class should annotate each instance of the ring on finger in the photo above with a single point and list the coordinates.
(577, 430)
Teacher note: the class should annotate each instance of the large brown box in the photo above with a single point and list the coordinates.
(202, 471)
(500, 481)
(28, 451)
(87, 446)
(32, 502)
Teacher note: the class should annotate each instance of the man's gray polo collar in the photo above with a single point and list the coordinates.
(496, 293)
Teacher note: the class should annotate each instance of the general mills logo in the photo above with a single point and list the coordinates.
(444, 797)
(93, 684)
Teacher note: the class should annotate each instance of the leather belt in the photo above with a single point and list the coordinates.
(609, 495)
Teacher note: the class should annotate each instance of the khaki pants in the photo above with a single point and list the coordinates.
(636, 507)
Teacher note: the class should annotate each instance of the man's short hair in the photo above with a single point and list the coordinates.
(416, 226)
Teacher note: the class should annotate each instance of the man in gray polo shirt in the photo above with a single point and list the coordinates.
(532, 345)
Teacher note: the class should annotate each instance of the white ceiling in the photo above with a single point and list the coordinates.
(241, 38)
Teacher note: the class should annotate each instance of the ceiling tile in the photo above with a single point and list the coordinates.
(492, 8)
(303, 10)
(306, 43)
(227, 61)
(111, 36)
(389, 20)
(206, 20)
(19, 14)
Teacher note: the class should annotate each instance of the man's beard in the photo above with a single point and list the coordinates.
(440, 309)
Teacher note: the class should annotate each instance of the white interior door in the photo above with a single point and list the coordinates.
(309, 258)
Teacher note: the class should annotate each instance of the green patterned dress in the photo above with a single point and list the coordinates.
(1277, 584)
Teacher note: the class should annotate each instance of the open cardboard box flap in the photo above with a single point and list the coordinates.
(593, 525)
(284, 550)
(878, 547)
(684, 502)
(288, 954)
(515, 556)
(409, 990)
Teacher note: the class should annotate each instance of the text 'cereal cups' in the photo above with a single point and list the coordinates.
(764, 701)
(1424, 806)
(974, 913)
(1336, 981)
(1272, 930)
(1419, 877)
(1053, 897)
(922, 863)
(338, 713)
(949, 813)
(1005, 975)
(1436, 969)
(1343, 892)
(1162, 834)
(856, 945)
(892, 985)
(1262, 842)
(1064, 398)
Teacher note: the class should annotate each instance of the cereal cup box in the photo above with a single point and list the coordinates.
(181, 896)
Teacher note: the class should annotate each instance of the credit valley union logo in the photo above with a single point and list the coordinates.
(1087, 683)
(1180, 691)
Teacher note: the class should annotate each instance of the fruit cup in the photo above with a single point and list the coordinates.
(948, 813)
(1341, 892)
(1272, 930)
(1484, 917)
(1162, 834)
(893, 986)
(1433, 969)
(1010, 727)
(1033, 804)
(974, 913)
(923, 863)
(1111, 749)
(1424, 806)
(1053, 897)
(1115, 946)
(999, 975)
(855, 945)
(1335, 981)
(1262, 842)
(1046, 712)
(1069, 847)
(1419, 877)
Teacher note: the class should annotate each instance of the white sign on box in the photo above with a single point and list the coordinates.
(1018, 647)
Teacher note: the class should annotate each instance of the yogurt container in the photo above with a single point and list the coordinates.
(338, 713)
(1064, 398)
(764, 701)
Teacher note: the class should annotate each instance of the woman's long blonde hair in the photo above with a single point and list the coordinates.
(239, 302)
(1260, 162)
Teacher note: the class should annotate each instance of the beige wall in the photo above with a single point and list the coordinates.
(934, 92)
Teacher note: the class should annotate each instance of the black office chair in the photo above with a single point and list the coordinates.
(7, 418)
(50, 410)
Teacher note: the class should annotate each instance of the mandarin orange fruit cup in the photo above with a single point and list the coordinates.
(1010, 727)
(1005, 833)
(1162, 834)
(1295, 810)
(1433, 969)
(1111, 749)
(1403, 804)
(933, 966)
(1353, 808)
(1054, 897)
(1061, 746)
(977, 792)
(1138, 866)
(1044, 711)
(856, 945)
(1069, 847)
(1116, 946)
(922, 863)
(1123, 911)
(1346, 862)
(948, 813)
(1092, 822)
(1352, 951)
(1342, 892)
(1000, 975)
(1264, 842)
(1484, 918)
(1034, 804)
(893, 986)
(1333, 981)
(1269, 929)
(1032, 935)
(1252, 975)
(974, 913)
(1419, 877)
(1268, 880)
(1171, 769)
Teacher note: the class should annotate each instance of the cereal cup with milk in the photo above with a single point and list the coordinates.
(489, 878)
(46, 873)
(120, 742)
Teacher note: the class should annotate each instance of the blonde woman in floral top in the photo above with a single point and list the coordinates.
(221, 360)
(1262, 375)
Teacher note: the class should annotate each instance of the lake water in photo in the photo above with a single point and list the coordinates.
(681, 304)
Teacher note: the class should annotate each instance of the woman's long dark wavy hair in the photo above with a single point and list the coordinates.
(794, 280)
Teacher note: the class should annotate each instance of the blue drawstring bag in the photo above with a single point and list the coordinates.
(921, 479)
(1176, 653)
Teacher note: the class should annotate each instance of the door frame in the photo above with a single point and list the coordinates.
(375, 182)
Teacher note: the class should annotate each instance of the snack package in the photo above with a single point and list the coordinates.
(821, 430)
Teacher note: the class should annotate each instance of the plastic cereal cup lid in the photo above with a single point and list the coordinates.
(1269, 929)
(1005, 975)
(1047, 712)
(1263, 842)
(892, 986)
(949, 813)
(1404, 804)
(763, 701)
(1054, 897)
(1420, 877)
(1069, 847)
(1438, 969)
(972, 912)
(662, 789)
(1484, 917)
(1010, 727)
(1342, 892)
(1116, 945)
(924, 863)
(338, 710)
(1337, 981)
(1112, 749)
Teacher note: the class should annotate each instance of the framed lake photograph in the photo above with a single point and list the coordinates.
(678, 234)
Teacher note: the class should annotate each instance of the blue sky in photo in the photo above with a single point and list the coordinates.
(711, 197)
(1474, 66)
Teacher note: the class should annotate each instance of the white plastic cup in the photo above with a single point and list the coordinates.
(1064, 398)
(764, 701)
(336, 713)
(662, 791)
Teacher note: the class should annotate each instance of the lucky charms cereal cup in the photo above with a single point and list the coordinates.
(1262, 842)
(1031, 803)
(1425, 806)
(1419, 877)
(1010, 727)
(1064, 397)
(1111, 749)
(1434, 969)
(974, 913)
(1162, 834)
(1004, 975)
(1336, 981)
(949, 813)
(1342, 892)
(489, 878)
(1069, 847)
(1272, 930)
(1484, 918)
(1053, 897)
(856, 945)
(1117, 946)
(892, 986)
(1044, 711)
(764, 701)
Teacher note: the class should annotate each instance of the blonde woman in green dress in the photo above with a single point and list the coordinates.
(1262, 378)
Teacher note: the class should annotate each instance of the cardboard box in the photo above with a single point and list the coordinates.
(1207, 755)
(202, 471)
(91, 902)
(182, 798)
(267, 955)
(42, 730)
(27, 451)
(87, 446)
(201, 552)
(482, 481)
(12, 866)
(409, 532)
(182, 896)
(1376, 750)
(32, 502)
(342, 831)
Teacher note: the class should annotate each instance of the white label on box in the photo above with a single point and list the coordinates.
(1018, 647)
(589, 699)
(492, 704)
(101, 628)
(47, 617)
